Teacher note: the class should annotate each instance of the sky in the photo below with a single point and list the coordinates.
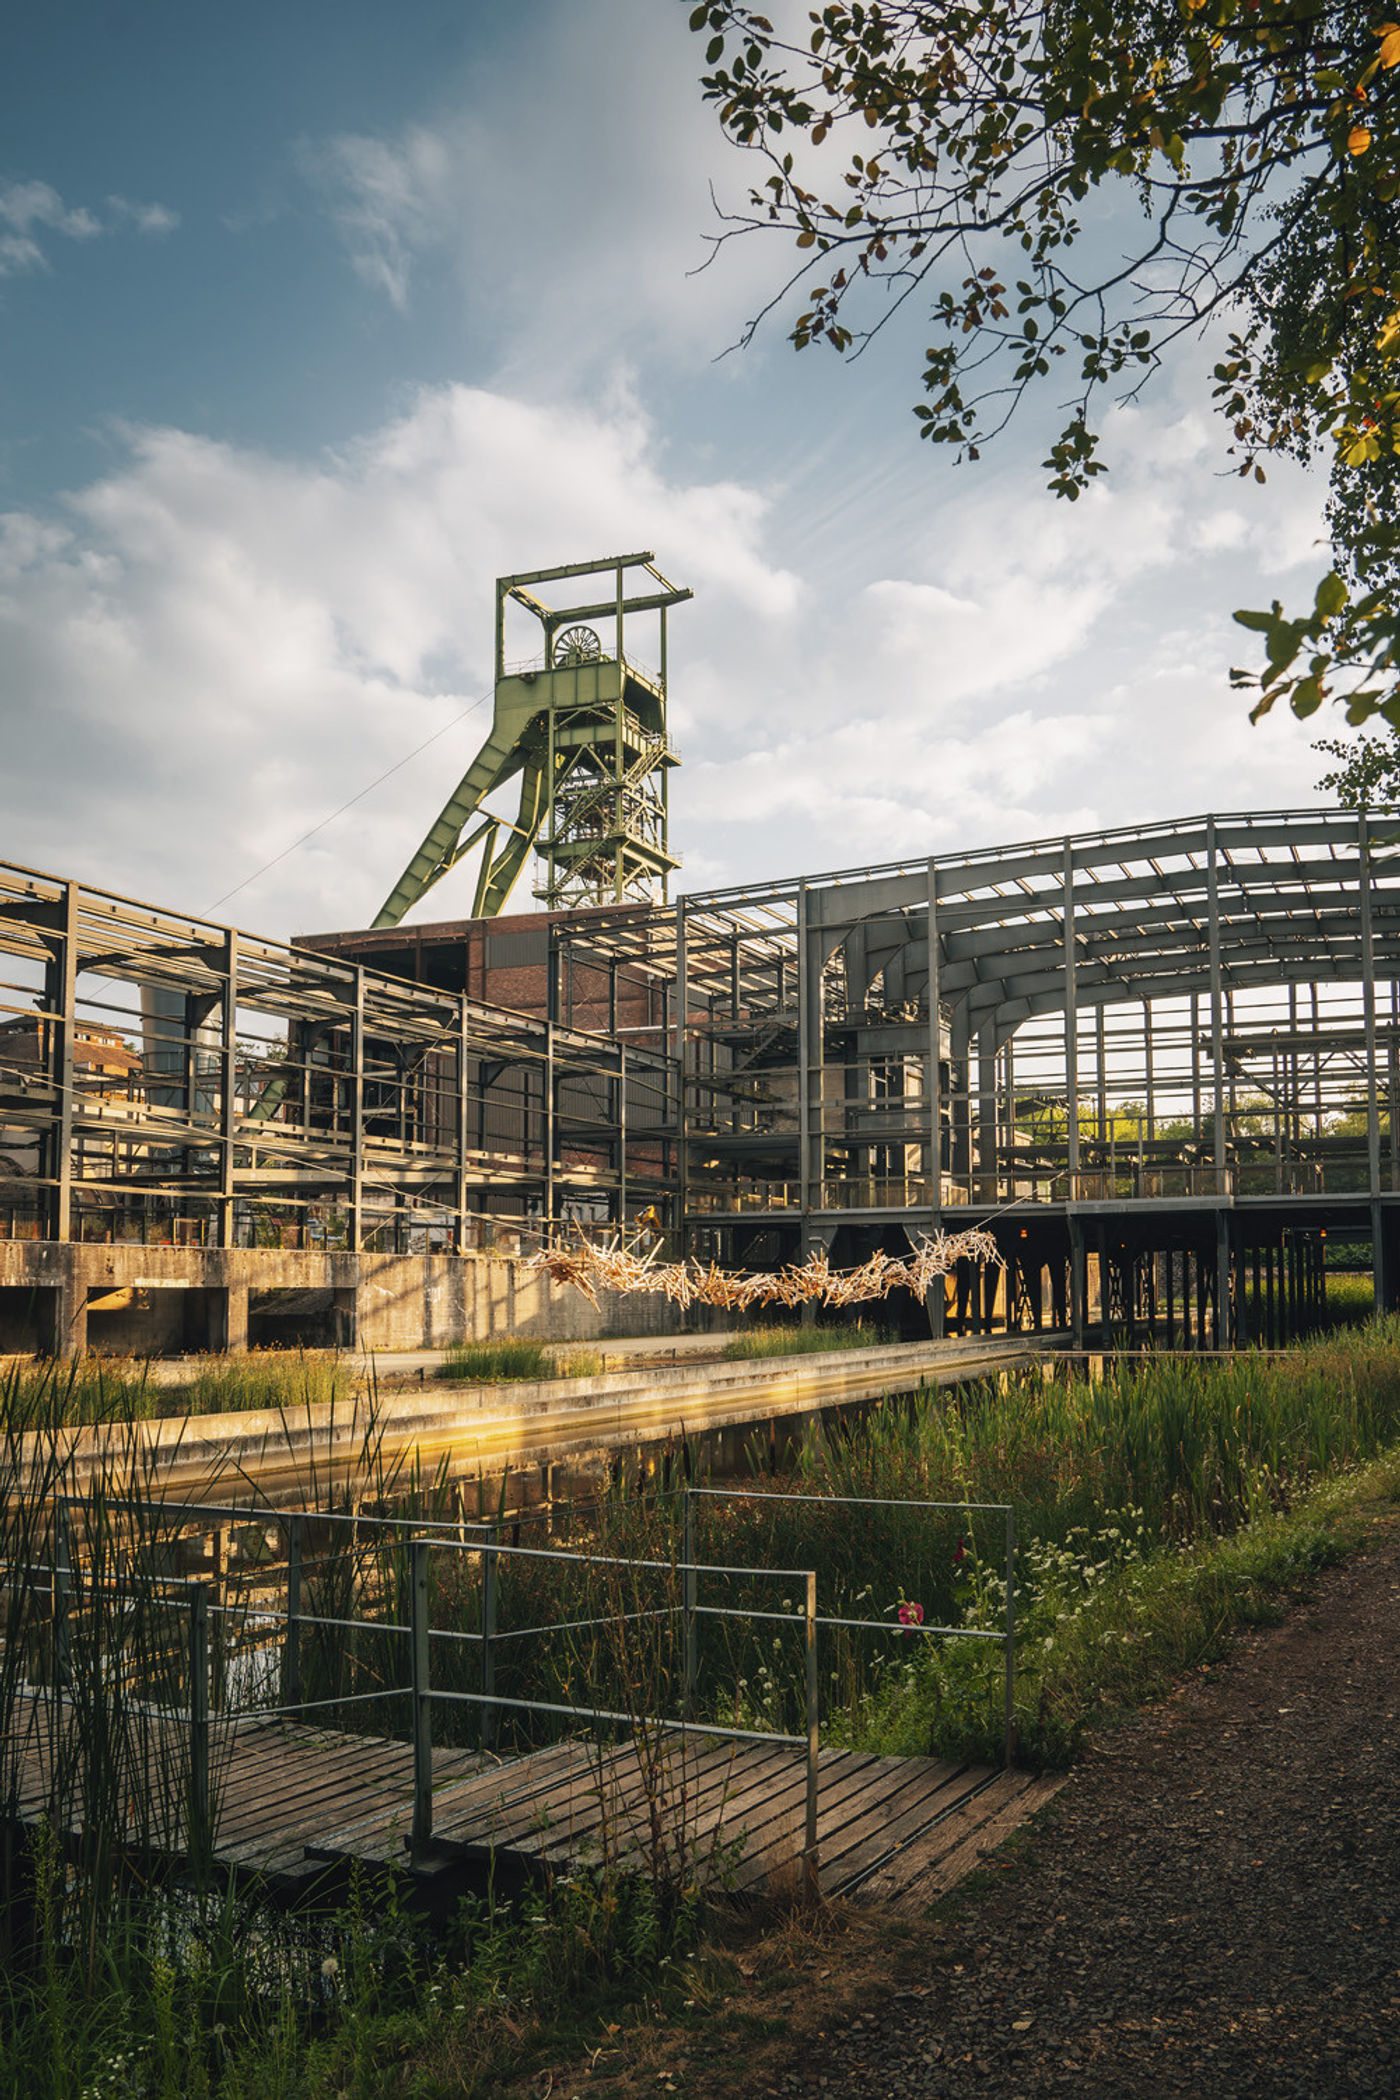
(316, 319)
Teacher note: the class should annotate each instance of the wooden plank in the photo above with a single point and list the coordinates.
(344, 1839)
(933, 1865)
(480, 1813)
(722, 1785)
(902, 1815)
(847, 1787)
(574, 1794)
(316, 1784)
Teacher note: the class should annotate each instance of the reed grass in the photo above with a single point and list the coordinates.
(1155, 1509)
(515, 1357)
(791, 1340)
(96, 1389)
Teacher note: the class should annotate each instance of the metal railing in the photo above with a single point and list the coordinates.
(420, 1539)
(1007, 1635)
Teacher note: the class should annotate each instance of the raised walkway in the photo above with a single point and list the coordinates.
(469, 1432)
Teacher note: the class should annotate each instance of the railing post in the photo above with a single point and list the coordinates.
(199, 1831)
(62, 1591)
(691, 1599)
(291, 1638)
(422, 1696)
(810, 1860)
(1010, 1695)
(488, 1636)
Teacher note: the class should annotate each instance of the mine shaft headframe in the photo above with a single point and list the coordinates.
(586, 732)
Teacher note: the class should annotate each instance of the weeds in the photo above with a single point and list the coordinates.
(514, 1357)
(792, 1340)
(122, 1388)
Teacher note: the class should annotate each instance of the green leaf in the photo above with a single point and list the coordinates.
(1307, 698)
(1332, 595)
(1257, 622)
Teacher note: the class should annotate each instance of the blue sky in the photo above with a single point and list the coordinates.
(315, 319)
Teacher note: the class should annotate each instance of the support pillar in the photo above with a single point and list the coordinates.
(1226, 1315)
(70, 1336)
(228, 1318)
(1078, 1282)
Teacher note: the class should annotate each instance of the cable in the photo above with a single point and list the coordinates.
(395, 768)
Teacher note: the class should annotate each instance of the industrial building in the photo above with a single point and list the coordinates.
(1159, 1063)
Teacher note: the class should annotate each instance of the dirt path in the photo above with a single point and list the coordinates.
(1211, 1905)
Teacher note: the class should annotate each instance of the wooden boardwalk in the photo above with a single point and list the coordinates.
(295, 1802)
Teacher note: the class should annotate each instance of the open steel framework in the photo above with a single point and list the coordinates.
(1159, 1061)
(168, 1079)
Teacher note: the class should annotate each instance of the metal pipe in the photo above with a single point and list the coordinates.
(422, 1696)
(490, 1553)
(690, 1582)
(1009, 1715)
(200, 1829)
(291, 1640)
(810, 1858)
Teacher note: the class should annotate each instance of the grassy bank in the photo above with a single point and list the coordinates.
(516, 1357)
(122, 1389)
(1156, 1512)
(1151, 1506)
(789, 1339)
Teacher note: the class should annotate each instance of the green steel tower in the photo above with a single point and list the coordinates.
(585, 729)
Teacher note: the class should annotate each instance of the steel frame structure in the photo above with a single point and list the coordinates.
(1158, 1062)
(1111, 1046)
(166, 1078)
(585, 732)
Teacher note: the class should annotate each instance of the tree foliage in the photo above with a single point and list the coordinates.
(1066, 189)
(1367, 773)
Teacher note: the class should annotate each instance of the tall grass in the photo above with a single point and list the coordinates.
(792, 1340)
(128, 1964)
(1106, 1476)
(513, 1357)
(1152, 1507)
(122, 1389)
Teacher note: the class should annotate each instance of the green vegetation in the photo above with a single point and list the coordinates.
(514, 1357)
(1156, 1510)
(793, 1340)
(968, 168)
(210, 1999)
(119, 1978)
(1351, 1299)
(122, 1389)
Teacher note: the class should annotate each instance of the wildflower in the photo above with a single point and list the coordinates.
(910, 1616)
(330, 1969)
(959, 1554)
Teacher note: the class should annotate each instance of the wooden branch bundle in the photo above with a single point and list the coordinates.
(616, 1268)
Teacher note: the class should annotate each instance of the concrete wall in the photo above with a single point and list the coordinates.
(198, 1298)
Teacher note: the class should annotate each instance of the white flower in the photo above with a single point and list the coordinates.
(330, 1969)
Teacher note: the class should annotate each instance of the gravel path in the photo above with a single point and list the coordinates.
(1211, 1905)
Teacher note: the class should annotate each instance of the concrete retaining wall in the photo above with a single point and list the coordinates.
(68, 1296)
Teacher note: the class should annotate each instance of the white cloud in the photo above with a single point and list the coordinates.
(215, 647)
(569, 207)
(219, 647)
(389, 199)
(29, 210)
(145, 218)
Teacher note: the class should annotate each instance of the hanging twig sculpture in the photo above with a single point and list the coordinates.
(592, 1269)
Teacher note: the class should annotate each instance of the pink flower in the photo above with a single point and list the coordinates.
(959, 1554)
(910, 1616)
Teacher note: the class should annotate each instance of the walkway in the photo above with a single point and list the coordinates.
(293, 1801)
